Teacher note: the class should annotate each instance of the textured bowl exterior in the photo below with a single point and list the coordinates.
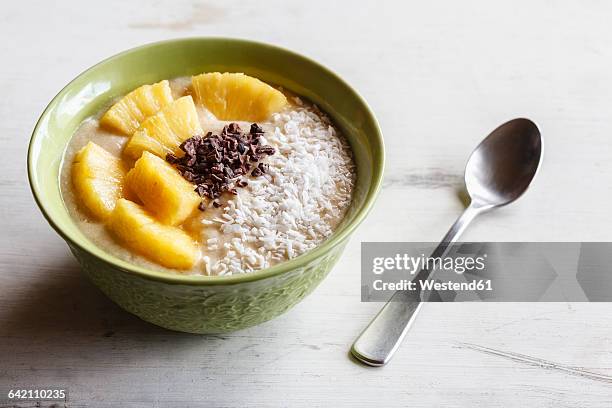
(203, 304)
(207, 309)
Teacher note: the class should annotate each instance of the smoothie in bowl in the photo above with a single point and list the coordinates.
(206, 184)
(216, 174)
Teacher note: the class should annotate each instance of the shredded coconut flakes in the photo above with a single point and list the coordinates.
(296, 204)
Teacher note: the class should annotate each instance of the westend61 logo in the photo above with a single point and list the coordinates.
(413, 265)
(389, 267)
(407, 266)
(488, 271)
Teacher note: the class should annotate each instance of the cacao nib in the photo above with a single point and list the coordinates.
(215, 163)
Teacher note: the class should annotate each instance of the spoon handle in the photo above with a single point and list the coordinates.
(378, 342)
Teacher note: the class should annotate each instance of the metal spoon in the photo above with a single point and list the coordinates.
(498, 172)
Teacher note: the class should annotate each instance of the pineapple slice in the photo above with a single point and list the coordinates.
(126, 115)
(233, 96)
(136, 228)
(162, 190)
(97, 177)
(163, 132)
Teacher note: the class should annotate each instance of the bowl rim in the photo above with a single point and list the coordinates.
(204, 280)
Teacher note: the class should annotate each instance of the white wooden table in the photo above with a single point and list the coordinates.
(440, 76)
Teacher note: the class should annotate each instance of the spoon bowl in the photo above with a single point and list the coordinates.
(504, 164)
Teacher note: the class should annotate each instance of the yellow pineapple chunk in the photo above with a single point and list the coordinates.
(136, 228)
(97, 177)
(234, 96)
(163, 132)
(162, 190)
(129, 112)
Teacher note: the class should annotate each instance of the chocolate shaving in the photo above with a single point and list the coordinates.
(215, 163)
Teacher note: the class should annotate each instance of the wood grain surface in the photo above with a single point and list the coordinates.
(440, 76)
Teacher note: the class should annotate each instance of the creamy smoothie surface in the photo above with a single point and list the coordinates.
(176, 187)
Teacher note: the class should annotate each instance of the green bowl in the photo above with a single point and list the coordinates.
(203, 304)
